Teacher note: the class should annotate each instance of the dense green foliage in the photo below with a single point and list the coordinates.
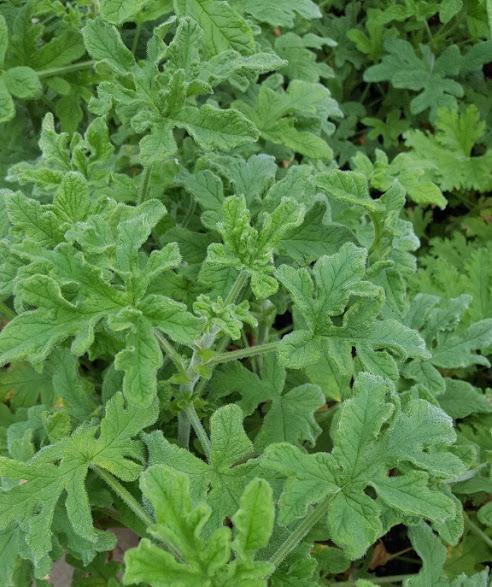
(246, 284)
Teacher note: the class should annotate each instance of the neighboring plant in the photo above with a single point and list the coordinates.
(246, 292)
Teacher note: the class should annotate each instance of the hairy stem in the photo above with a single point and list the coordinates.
(123, 493)
(205, 342)
(170, 351)
(127, 498)
(251, 351)
(183, 430)
(6, 311)
(474, 529)
(136, 38)
(200, 431)
(378, 229)
(144, 188)
(66, 69)
(376, 580)
(300, 531)
(237, 288)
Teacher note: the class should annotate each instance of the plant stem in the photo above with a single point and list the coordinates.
(237, 288)
(171, 352)
(123, 493)
(136, 38)
(284, 330)
(478, 531)
(200, 431)
(377, 232)
(6, 311)
(377, 580)
(251, 351)
(183, 430)
(300, 531)
(205, 342)
(144, 188)
(127, 498)
(66, 69)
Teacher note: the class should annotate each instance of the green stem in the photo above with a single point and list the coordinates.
(237, 288)
(200, 431)
(66, 69)
(127, 498)
(205, 342)
(377, 232)
(301, 530)
(377, 580)
(284, 330)
(171, 352)
(6, 311)
(183, 430)
(136, 38)
(478, 531)
(251, 351)
(144, 188)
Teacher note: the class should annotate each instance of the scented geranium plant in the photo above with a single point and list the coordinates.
(218, 332)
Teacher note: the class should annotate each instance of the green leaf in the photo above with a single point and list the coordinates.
(462, 399)
(119, 11)
(229, 318)
(368, 442)
(282, 13)
(247, 248)
(448, 152)
(22, 82)
(7, 108)
(449, 9)
(4, 39)
(253, 522)
(348, 187)
(432, 552)
(301, 61)
(140, 361)
(226, 64)
(207, 189)
(64, 466)
(223, 27)
(33, 334)
(336, 279)
(290, 415)
(404, 69)
(215, 128)
(179, 523)
(71, 201)
(103, 43)
(228, 471)
(279, 117)
(457, 350)
(36, 222)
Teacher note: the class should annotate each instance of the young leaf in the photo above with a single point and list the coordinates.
(180, 524)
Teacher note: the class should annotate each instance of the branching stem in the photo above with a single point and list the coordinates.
(205, 342)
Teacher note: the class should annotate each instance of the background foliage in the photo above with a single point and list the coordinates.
(246, 289)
